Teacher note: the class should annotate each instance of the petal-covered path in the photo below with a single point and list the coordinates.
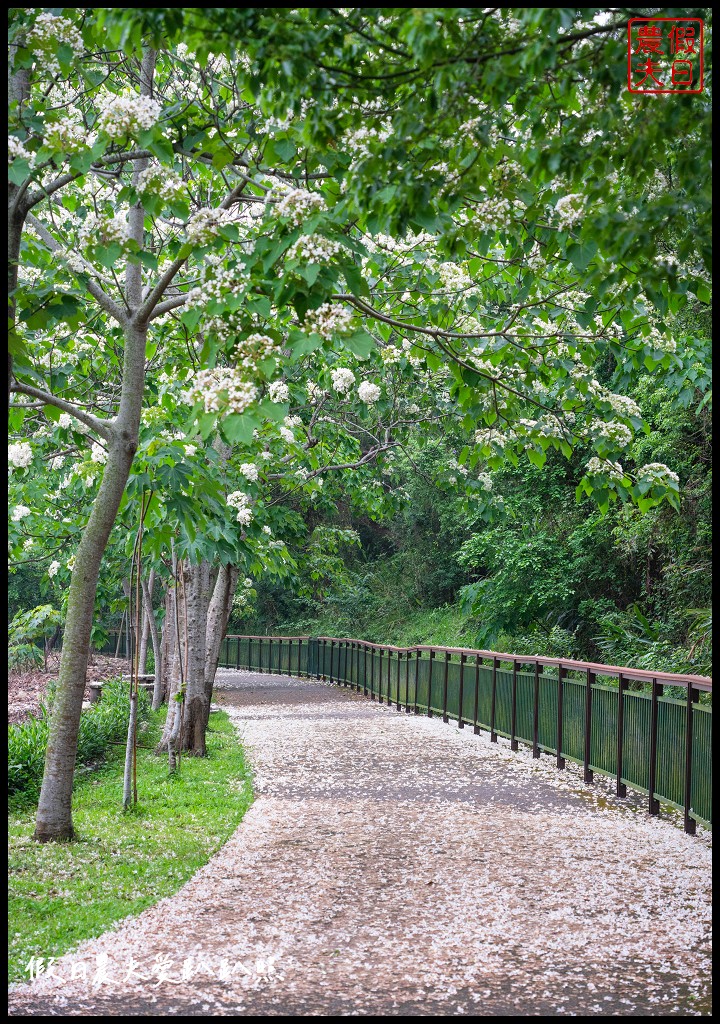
(395, 865)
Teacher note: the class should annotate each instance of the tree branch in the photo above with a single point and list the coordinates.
(108, 304)
(101, 427)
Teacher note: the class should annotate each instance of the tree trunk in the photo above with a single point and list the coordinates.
(147, 618)
(199, 586)
(54, 814)
(157, 656)
(173, 653)
(217, 620)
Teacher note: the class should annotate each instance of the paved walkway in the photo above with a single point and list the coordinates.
(395, 865)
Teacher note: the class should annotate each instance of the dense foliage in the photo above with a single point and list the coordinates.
(298, 287)
(100, 725)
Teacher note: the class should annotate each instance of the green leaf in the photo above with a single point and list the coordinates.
(238, 427)
(581, 254)
(360, 344)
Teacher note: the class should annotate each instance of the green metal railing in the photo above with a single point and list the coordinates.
(614, 721)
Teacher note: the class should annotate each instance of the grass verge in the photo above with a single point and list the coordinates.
(62, 893)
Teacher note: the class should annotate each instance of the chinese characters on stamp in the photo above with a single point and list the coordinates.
(665, 55)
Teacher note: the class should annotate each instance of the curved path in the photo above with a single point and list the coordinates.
(395, 865)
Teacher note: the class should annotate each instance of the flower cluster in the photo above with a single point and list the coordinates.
(615, 432)
(127, 114)
(250, 471)
(292, 421)
(342, 380)
(485, 481)
(297, 205)
(622, 405)
(612, 470)
(569, 210)
(329, 320)
(453, 277)
(493, 215)
(391, 355)
(255, 349)
(368, 392)
(314, 249)
(20, 454)
(161, 181)
(287, 435)
(53, 568)
(17, 150)
(48, 33)
(204, 225)
(68, 134)
(241, 502)
(657, 473)
(221, 390)
(98, 453)
(279, 391)
(660, 342)
(315, 392)
(492, 437)
(19, 512)
(243, 595)
(104, 230)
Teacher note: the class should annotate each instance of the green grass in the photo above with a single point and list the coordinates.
(62, 893)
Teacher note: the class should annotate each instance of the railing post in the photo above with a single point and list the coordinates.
(513, 709)
(493, 734)
(536, 711)
(332, 647)
(372, 673)
(430, 668)
(476, 724)
(463, 659)
(389, 654)
(416, 709)
(313, 665)
(380, 676)
(560, 761)
(407, 682)
(445, 687)
(690, 824)
(653, 804)
(620, 787)
(589, 680)
(365, 672)
(397, 692)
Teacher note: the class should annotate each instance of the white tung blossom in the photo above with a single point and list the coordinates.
(53, 568)
(65, 421)
(612, 470)
(342, 379)
(49, 32)
(204, 224)
(250, 471)
(20, 512)
(569, 210)
(222, 390)
(368, 392)
(279, 391)
(98, 453)
(329, 320)
(657, 472)
(314, 249)
(18, 151)
(297, 205)
(20, 455)
(127, 114)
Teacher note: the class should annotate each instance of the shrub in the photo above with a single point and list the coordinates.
(100, 724)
